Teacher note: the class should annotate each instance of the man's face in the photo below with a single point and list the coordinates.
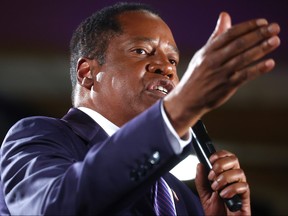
(140, 68)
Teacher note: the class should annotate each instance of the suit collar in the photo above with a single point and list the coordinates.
(82, 124)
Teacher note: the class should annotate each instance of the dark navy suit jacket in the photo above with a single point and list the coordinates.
(70, 166)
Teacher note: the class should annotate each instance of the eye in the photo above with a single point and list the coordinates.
(141, 51)
(173, 62)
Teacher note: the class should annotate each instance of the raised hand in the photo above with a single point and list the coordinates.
(231, 57)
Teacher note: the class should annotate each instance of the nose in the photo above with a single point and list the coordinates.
(163, 68)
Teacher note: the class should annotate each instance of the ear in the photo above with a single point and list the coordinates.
(85, 73)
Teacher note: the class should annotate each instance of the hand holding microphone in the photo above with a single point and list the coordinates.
(204, 149)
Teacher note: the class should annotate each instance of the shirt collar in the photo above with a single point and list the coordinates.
(107, 125)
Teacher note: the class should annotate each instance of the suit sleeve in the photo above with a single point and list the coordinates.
(46, 170)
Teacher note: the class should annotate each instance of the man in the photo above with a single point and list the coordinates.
(131, 121)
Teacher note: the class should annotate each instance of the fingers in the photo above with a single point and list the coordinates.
(252, 72)
(242, 44)
(226, 175)
(234, 56)
(227, 178)
(237, 31)
(254, 44)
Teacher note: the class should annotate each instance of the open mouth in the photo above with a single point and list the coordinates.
(161, 87)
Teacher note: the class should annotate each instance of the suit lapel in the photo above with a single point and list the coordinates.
(84, 126)
(144, 206)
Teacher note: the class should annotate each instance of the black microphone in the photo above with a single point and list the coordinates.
(204, 149)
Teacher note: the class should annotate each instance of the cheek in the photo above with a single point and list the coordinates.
(121, 86)
(128, 82)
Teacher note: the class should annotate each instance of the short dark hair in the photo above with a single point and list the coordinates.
(91, 38)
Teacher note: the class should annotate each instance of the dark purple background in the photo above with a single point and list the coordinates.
(36, 24)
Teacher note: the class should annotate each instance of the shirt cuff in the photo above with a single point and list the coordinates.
(176, 142)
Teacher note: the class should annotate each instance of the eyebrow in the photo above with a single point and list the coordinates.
(150, 40)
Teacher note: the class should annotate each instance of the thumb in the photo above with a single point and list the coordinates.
(223, 23)
(202, 183)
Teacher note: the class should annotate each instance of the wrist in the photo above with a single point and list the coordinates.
(180, 118)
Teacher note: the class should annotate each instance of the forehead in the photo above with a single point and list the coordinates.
(142, 24)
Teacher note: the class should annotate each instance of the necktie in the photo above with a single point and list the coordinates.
(163, 204)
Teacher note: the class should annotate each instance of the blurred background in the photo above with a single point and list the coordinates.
(34, 79)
